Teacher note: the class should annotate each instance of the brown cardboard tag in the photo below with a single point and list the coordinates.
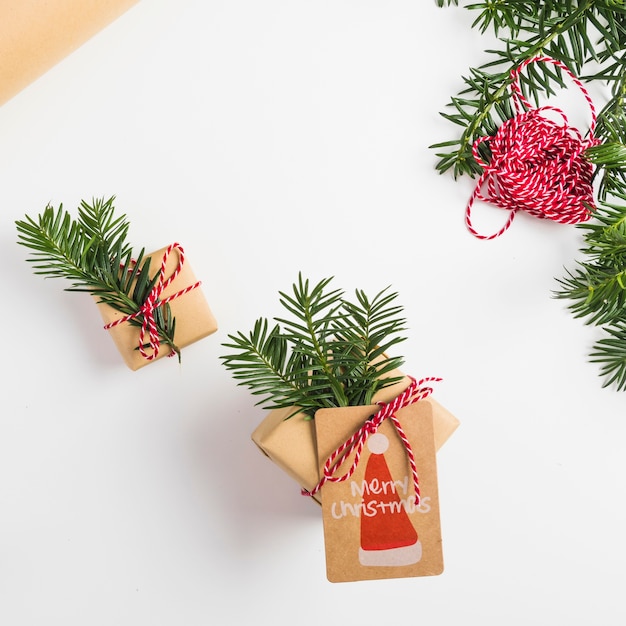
(372, 527)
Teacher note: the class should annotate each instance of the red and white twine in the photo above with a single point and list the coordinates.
(415, 392)
(537, 165)
(153, 301)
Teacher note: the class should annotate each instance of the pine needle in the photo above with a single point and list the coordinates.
(329, 351)
(92, 253)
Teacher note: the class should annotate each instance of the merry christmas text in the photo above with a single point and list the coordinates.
(374, 507)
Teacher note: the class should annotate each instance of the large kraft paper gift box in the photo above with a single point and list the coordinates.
(193, 316)
(291, 443)
(36, 34)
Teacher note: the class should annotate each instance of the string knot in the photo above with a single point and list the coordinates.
(415, 392)
(153, 301)
(537, 162)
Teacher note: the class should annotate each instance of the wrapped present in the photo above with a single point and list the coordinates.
(36, 35)
(179, 288)
(151, 304)
(333, 390)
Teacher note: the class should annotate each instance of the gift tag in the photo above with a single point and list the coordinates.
(374, 527)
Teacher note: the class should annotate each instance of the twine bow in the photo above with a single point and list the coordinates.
(153, 301)
(537, 165)
(413, 393)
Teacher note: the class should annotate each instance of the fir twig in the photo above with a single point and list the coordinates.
(582, 34)
(328, 352)
(588, 36)
(93, 254)
(597, 287)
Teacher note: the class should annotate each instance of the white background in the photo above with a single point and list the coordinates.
(272, 137)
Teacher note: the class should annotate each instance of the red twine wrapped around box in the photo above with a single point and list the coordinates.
(153, 301)
(536, 165)
(413, 393)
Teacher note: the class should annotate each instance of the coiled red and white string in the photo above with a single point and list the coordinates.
(537, 165)
(153, 301)
(415, 392)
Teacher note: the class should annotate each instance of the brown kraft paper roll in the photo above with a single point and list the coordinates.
(36, 34)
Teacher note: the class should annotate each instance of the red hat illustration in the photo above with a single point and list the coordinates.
(388, 537)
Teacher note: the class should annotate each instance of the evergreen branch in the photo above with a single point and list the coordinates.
(260, 362)
(330, 352)
(610, 352)
(312, 333)
(589, 37)
(92, 253)
(559, 29)
(375, 329)
(596, 288)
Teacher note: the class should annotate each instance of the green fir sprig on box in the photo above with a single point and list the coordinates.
(92, 252)
(588, 36)
(328, 351)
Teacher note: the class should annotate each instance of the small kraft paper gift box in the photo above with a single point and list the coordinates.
(152, 305)
(358, 435)
(179, 289)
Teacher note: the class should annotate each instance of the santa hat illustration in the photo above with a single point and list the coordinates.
(388, 537)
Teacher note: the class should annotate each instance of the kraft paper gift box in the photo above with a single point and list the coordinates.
(291, 443)
(194, 319)
(36, 34)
